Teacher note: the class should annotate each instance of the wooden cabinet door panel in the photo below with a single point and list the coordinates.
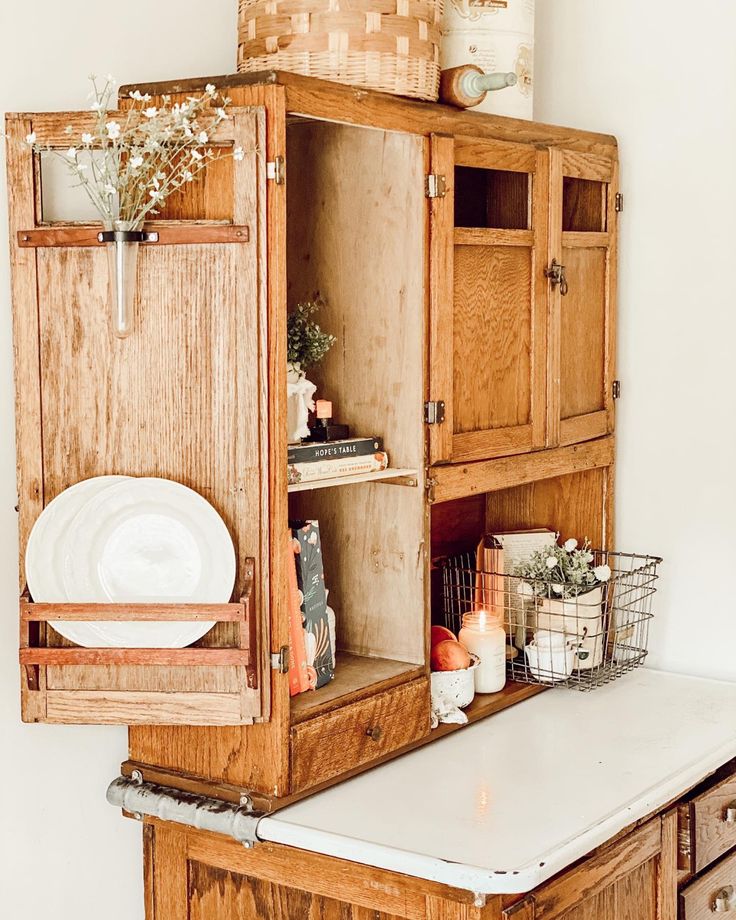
(488, 299)
(582, 327)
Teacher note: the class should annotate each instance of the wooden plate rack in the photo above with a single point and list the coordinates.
(65, 683)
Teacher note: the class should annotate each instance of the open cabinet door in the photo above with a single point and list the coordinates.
(583, 221)
(181, 398)
(488, 299)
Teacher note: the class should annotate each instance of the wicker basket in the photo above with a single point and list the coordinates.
(389, 45)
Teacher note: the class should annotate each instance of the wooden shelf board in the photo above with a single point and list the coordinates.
(406, 477)
(355, 676)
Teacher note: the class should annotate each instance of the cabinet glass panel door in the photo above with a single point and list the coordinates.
(488, 299)
(583, 241)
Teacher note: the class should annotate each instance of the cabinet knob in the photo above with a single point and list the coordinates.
(724, 900)
(374, 732)
(729, 813)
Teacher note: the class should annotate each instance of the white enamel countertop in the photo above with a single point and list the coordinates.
(502, 805)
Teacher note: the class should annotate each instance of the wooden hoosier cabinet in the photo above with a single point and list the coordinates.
(468, 269)
(468, 266)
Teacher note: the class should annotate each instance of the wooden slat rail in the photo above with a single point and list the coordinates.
(164, 657)
(167, 236)
(42, 613)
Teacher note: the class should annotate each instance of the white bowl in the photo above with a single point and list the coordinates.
(457, 687)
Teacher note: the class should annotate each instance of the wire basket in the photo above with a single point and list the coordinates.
(554, 636)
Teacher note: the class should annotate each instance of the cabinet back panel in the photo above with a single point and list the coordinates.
(575, 505)
(583, 330)
(356, 234)
(492, 337)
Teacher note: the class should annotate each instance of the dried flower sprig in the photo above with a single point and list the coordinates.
(307, 343)
(561, 571)
(130, 162)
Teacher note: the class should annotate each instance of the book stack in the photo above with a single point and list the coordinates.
(329, 459)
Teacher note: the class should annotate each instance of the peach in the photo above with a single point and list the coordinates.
(439, 634)
(449, 655)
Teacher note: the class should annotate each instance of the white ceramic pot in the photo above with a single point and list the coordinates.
(456, 687)
(580, 617)
(299, 392)
(550, 656)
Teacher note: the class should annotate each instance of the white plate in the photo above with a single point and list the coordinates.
(44, 560)
(146, 541)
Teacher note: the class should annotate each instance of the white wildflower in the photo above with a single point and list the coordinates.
(238, 153)
(525, 589)
(31, 138)
(202, 137)
(156, 194)
(137, 95)
(110, 189)
(87, 139)
(557, 588)
(210, 89)
(602, 572)
(71, 153)
(150, 112)
(187, 175)
(97, 106)
(136, 162)
(221, 114)
(551, 562)
(196, 155)
(113, 130)
(570, 545)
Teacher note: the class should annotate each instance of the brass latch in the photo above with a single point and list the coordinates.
(435, 186)
(556, 275)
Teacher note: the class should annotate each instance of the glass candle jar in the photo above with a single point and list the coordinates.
(483, 635)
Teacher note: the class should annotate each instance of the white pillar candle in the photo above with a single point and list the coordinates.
(483, 635)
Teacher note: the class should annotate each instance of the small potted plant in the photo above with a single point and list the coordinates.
(567, 587)
(306, 346)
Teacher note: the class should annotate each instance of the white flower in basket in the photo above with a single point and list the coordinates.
(569, 597)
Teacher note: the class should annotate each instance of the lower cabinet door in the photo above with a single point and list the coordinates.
(634, 878)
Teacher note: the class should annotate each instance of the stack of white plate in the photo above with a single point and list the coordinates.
(119, 539)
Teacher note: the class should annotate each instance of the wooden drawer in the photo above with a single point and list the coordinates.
(708, 825)
(714, 892)
(339, 741)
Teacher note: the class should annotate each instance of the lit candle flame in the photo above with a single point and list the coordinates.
(482, 616)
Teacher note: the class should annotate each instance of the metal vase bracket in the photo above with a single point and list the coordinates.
(122, 240)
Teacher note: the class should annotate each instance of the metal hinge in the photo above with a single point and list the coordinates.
(435, 186)
(280, 660)
(616, 389)
(619, 201)
(276, 170)
(434, 412)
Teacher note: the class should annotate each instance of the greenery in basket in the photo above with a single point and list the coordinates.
(307, 343)
(129, 162)
(561, 571)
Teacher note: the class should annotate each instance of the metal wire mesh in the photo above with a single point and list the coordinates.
(554, 636)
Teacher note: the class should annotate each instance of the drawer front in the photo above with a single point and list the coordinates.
(339, 741)
(714, 822)
(713, 893)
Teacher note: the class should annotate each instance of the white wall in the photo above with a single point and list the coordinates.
(64, 853)
(661, 75)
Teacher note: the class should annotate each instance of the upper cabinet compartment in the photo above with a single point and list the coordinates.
(583, 240)
(522, 265)
(488, 310)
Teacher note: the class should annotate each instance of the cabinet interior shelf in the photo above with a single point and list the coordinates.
(355, 676)
(402, 477)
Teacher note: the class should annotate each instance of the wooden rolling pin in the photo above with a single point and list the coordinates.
(468, 85)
